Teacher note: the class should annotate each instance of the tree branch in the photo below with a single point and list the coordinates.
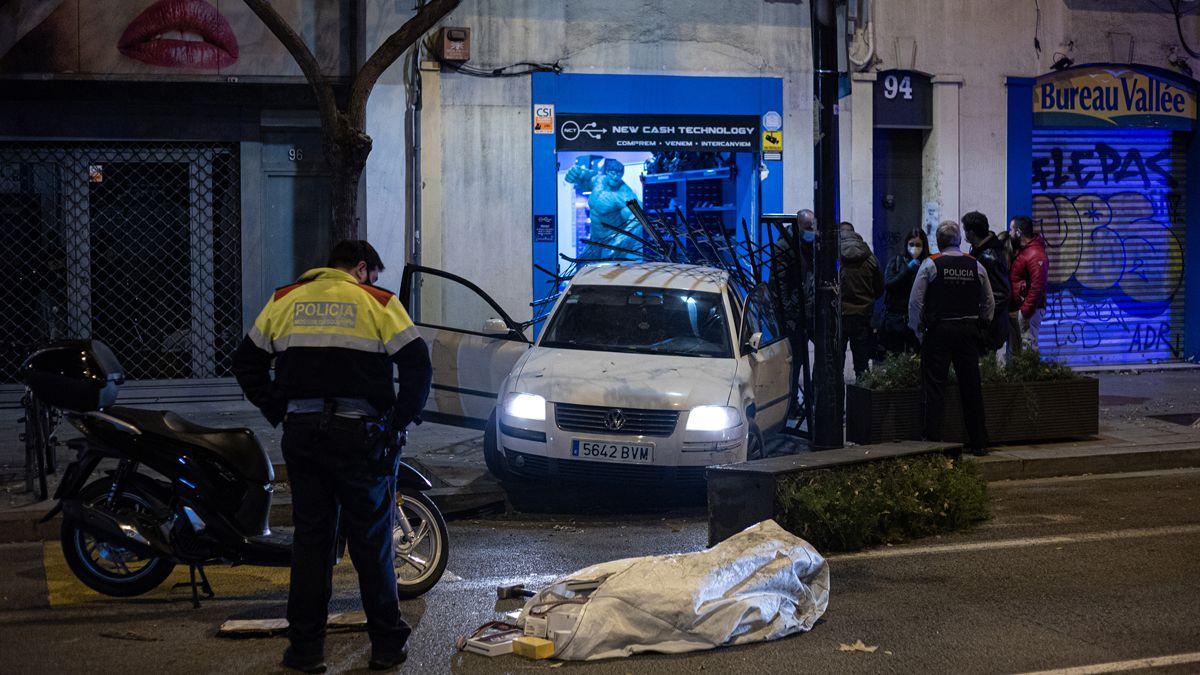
(326, 103)
(387, 53)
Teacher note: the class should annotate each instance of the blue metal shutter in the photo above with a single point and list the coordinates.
(1110, 204)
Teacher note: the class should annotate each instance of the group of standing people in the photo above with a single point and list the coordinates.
(949, 306)
(1017, 269)
(959, 307)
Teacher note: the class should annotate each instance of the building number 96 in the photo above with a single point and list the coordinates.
(893, 85)
(297, 154)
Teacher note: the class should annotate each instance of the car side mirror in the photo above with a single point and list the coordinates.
(753, 343)
(495, 326)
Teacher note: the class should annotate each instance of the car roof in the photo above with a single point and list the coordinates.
(653, 275)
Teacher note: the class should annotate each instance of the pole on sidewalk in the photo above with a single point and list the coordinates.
(828, 384)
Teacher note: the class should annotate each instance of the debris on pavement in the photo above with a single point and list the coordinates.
(858, 646)
(340, 622)
(534, 648)
(493, 638)
(762, 584)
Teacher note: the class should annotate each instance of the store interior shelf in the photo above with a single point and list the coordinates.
(695, 174)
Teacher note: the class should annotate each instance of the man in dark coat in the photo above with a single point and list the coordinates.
(989, 250)
(862, 285)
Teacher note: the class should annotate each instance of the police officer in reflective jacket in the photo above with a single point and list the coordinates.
(335, 340)
(949, 309)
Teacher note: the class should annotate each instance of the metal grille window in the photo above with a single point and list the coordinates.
(1110, 204)
(134, 244)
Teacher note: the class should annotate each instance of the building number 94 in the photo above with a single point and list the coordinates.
(893, 85)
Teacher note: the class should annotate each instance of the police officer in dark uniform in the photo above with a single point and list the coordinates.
(950, 306)
(335, 339)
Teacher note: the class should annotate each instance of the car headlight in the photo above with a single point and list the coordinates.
(525, 407)
(713, 418)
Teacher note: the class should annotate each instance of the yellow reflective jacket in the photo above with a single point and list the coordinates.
(331, 336)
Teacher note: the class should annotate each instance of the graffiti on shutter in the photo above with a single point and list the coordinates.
(1110, 204)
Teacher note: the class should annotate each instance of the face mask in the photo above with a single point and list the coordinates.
(914, 251)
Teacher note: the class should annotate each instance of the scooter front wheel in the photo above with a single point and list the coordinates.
(422, 548)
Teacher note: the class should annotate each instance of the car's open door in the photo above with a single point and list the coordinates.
(770, 361)
(473, 344)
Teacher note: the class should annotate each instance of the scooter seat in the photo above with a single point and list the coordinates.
(237, 446)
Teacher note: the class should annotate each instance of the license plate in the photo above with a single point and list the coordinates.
(603, 451)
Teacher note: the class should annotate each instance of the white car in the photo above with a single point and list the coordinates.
(642, 372)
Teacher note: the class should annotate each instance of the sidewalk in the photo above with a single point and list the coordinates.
(1133, 437)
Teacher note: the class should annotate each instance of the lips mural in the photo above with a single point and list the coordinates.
(180, 34)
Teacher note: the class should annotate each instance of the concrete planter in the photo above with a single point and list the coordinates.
(1016, 412)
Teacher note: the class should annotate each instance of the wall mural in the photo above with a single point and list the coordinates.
(1112, 215)
(163, 39)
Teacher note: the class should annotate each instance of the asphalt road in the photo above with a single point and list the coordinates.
(1069, 572)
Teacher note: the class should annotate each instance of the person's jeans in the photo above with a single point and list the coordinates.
(954, 342)
(327, 469)
(856, 331)
(1031, 328)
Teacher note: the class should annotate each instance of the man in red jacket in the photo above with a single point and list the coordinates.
(1029, 272)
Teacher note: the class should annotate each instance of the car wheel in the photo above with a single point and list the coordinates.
(492, 454)
(754, 444)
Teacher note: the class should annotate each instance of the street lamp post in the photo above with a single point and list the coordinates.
(828, 384)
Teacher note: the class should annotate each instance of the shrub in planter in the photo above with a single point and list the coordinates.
(1026, 398)
(887, 501)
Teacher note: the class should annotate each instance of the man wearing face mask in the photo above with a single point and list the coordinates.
(335, 339)
(608, 210)
(989, 251)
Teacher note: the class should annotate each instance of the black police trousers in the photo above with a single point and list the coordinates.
(956, 342)
(328, 468)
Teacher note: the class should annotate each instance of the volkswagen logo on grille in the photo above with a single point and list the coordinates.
(614, 419)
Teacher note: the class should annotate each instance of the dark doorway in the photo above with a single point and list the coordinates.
(897, 189)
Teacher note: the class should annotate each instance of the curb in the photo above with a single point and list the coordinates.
(1008, 466)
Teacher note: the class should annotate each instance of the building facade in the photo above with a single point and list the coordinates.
(153, 198)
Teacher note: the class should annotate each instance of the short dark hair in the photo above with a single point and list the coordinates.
(1024, 225)
(976, 223)
(349, 252)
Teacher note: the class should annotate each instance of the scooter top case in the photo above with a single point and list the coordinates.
(75, 375)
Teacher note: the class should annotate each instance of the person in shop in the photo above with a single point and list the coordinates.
(989, 250)
(862, 285)
(1030, 270)
(894, 333)
(950, 305)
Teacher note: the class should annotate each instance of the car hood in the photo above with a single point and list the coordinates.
(628, 380)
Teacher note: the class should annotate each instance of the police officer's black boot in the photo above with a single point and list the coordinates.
(305, 663)
(388, 661)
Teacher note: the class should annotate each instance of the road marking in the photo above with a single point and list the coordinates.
(1121, 666)
(1082, 538)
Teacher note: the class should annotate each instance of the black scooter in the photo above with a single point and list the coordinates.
(181, 493)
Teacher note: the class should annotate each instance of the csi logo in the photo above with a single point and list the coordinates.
(341, 314)
(543, 110)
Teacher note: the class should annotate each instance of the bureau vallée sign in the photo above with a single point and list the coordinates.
(1114, 95)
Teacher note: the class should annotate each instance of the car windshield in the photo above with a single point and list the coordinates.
(641, 320)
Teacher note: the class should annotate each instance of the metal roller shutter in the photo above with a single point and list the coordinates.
(1110, 204)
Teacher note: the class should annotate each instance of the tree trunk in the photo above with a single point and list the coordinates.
(346, 150)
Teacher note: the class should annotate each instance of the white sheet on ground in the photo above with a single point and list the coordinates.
(761, 584)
